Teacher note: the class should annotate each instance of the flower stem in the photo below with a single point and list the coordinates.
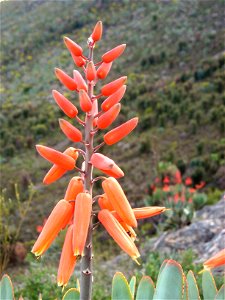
(86, 261)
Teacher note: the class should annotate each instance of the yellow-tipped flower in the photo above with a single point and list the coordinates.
(118, 233)
(58, 219)
(119, 201)
(215, 261)
(67, 260)
(82, 215)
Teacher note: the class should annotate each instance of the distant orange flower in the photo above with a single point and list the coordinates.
(200, 185)
(215, 261)
(59, 217)
(188, 181)
(166, 180)
(40, 227)
(177, 177)
(67, 260)
(118, 233)
(166, 188)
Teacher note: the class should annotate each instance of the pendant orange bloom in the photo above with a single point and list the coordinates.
(56, 171)
(67, 260)
(106, 165)
(90, 71)
(59, 217)
(64, 161)
(82, 215)
(215, 261)
(104, 203)
(119, 201)
(118, 233)
(85, 101)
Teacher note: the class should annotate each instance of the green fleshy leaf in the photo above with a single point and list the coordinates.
(72, 294)
(185, 289)
(6, 288)
(170, 282)
(208, 286)
(120, 288)
(145, 289)
(193, 293)
(132, 285)
(221, 293)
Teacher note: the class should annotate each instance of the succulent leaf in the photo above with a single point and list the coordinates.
(185, 290)
(193, 293)
(6, 288)
(72, 294)
(120, 288)
(132, 285)
(145, 289)
(221, 293)
(208, 285)
(170, 282)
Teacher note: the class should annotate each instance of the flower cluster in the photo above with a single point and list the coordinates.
(75, 211)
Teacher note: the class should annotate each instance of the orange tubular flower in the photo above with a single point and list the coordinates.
(97, 32)
(118, 233)
(67, 260)
(113, 86)
(113, 54)
(65, 79)
(60, 215)
(78, 60)
(73, 47)
(82, 215)
(74, 188)
(56, 172)
(103, 70)
(148, 212)
(106, 165)
(90, 71)
(64, 161)
(215, 261)
(129, 230)
(118, 133)
(119, 201)
(66, 106)
(113, 99)
(104, 203)
(85, 101)
(81, 84)
(70, 131)
(108, 117)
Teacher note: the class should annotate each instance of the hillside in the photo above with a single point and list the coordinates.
(175, 66)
